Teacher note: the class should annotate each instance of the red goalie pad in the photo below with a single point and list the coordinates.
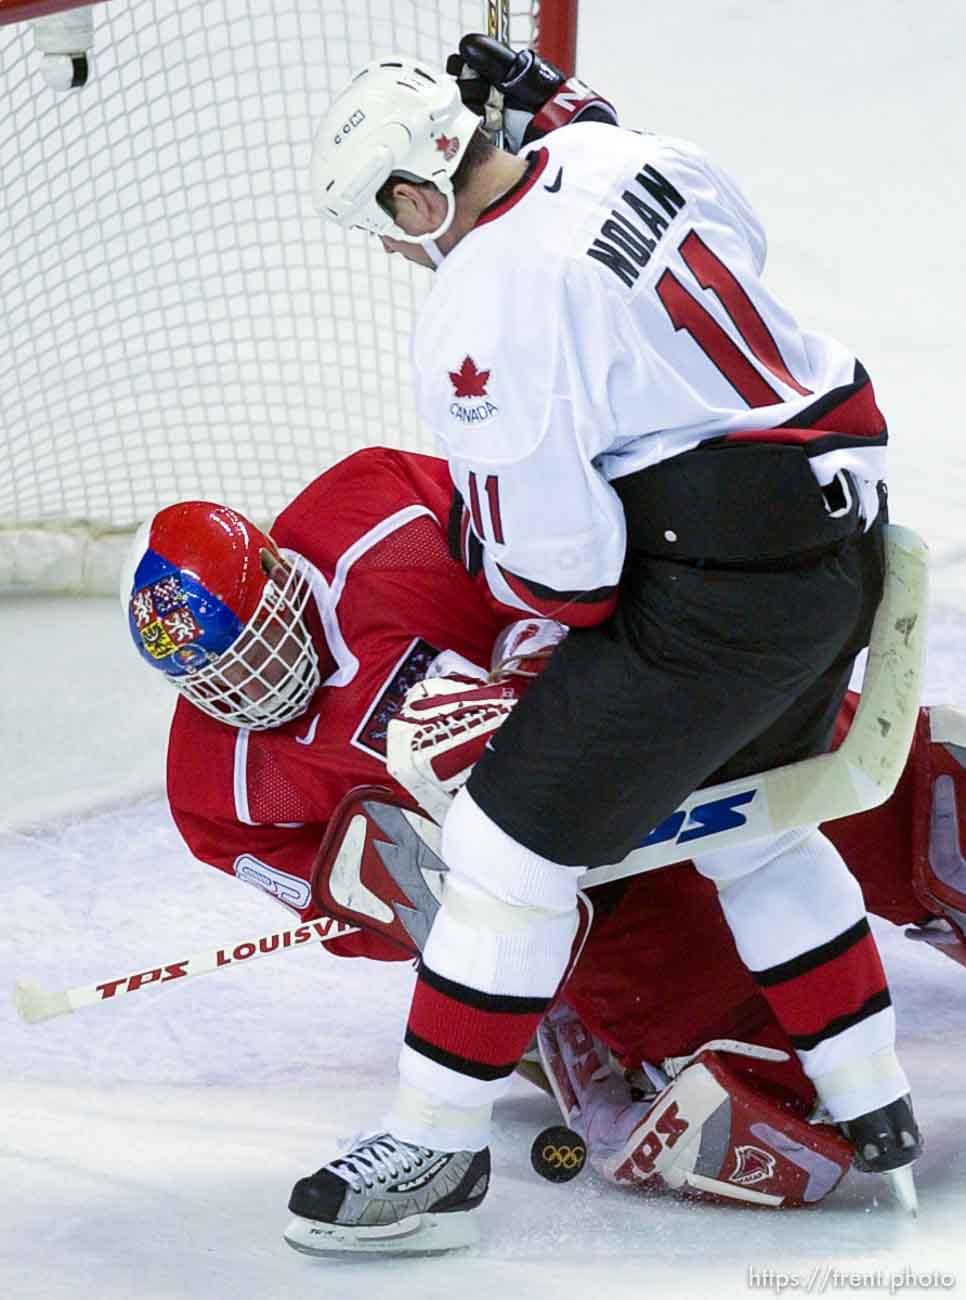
(939, 865)
(908, 854)
(375, 869)
(710, 1134)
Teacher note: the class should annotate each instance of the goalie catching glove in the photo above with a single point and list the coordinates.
(445, 722)
(537, 96)
(708, 1132)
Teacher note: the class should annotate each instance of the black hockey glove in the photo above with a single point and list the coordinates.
(537, 96)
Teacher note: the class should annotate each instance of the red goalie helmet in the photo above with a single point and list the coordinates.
(213, 604)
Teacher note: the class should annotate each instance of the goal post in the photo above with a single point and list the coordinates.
(18, 11)
(555, 33)
(178, 321)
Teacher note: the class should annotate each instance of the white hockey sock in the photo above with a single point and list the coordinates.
(799, 922)
(494, 958)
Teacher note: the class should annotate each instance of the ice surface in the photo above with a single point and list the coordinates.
(148, 1147)
(83, 721)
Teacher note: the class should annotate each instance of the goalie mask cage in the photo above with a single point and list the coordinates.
(177, 320)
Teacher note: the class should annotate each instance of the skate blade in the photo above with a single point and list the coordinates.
(902, 1184)
(421, 1234)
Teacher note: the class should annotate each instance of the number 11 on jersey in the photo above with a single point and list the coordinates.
(687, 313)
(491, 487)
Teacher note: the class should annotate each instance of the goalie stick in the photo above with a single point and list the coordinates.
(859, 775)
(427, 739)
(373, 871)
(34, 1003)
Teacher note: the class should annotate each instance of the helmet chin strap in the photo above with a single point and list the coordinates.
(428, 242)
(433, 251)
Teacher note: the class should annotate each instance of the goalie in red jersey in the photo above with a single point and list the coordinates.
(294, 651)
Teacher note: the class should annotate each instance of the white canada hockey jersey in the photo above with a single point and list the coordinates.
(604, 315)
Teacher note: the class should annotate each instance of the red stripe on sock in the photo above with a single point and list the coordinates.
(805, 1004)
(490, 1037)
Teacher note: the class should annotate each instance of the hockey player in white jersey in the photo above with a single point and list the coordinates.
(649, 448)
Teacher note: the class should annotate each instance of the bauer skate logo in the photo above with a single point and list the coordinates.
(752, 1165)
(704, 819)
(471, 404)
(293, 891)
(426, 1176)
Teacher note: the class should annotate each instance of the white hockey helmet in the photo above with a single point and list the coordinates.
(396, 116)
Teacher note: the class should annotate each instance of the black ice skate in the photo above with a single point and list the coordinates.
(390, 1197)
(887, 1141)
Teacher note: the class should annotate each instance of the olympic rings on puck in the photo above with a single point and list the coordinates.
(558, 1154)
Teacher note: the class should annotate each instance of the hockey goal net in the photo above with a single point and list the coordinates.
(177, 321)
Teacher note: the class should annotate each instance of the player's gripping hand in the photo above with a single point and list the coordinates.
(523, 648)
(537, 96)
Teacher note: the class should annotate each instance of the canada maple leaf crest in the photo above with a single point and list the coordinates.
(448, 146)
(468, 381)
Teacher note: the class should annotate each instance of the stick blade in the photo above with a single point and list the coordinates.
(35, 1004)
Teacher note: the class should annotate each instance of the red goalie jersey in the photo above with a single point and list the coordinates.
(387, 600)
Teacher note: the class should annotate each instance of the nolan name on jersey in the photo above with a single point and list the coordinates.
(623, 245)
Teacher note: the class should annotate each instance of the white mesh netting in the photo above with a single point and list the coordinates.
(177, 320)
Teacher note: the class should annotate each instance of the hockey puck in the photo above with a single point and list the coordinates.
(558, 1154)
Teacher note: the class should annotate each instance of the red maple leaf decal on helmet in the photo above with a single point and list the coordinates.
(468, 381)
(448, 145)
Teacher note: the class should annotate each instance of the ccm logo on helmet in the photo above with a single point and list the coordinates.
(355, 119)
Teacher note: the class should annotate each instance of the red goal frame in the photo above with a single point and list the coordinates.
(18, 11)
(557, 33)
(556, 24)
